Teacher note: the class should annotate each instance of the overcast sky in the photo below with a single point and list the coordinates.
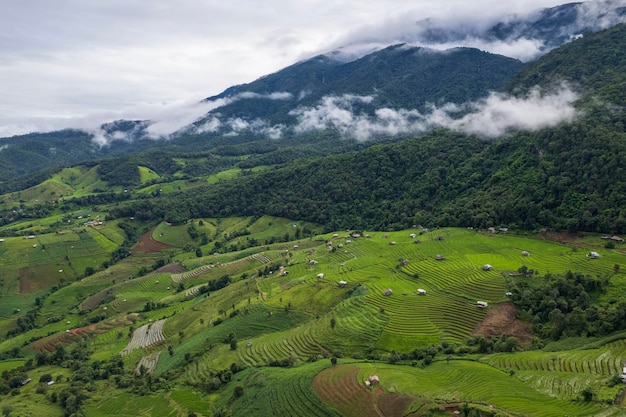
(74, 63)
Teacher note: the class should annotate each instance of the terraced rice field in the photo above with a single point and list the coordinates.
(145, 336)
(222, 269)
(565, 374)
(463, 381)
(148, 363)
(277, 391)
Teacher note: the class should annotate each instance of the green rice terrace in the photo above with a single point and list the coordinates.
(266, 316)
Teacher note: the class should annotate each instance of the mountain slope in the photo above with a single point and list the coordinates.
(566, 177)
(398, 76)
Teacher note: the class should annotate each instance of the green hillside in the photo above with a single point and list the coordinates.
(440, 275)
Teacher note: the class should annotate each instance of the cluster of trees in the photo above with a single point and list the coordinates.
(561, 305)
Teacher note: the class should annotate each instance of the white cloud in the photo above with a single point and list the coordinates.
(498, 114)
(489, 118)
(82, 60)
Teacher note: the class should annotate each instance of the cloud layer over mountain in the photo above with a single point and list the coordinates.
(81, 65)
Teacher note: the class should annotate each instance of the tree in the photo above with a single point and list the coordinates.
(333, 323)
(333, 361)
(198, 252)
(7, 410)
(233, 344)
(238, 392)
(587, 394)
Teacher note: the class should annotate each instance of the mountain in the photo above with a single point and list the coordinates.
(566, 177)
(399, 77)
(384, 95)
(525, 36)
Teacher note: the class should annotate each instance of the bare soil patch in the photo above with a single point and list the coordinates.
(93, 301)
(501, 319)
(146, 245)
(173, 268)
(35, 278)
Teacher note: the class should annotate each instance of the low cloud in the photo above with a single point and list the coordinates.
(161, 122)
(471, 26)
(489, 118)
(271, 96)
(235, 126)
(354, 117)
(499, 113)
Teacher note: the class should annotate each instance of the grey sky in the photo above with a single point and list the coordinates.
(80, 63)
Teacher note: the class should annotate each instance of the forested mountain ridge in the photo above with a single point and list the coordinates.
(397, 77)
(567, 177)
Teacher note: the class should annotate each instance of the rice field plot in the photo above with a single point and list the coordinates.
(215, 270)
(172, 235)
(566, 373)
(460, 381)
(263, 349)
(128, 405)
(418, 321)
(145, 336)
(147, 364)
(102, 239)
(357, 328)
(190, 401)
(146, 174)
(307, 294)
(280, 391)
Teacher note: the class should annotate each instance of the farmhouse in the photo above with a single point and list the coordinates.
(508, 294)
(387, 292)
(421, 291)
(593, 255)
(312, 262)
(320, 276)
(342, 283)
(525, 253)
(481, 304)
(393, 242)
(373, 379)
(439, 258)
(487, 267)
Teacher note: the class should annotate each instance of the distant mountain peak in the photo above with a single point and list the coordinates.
(523, 36)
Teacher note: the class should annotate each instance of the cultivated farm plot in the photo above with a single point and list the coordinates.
(565, 374)
(448, 311)
(128, 405)
(148, 363)
(279, 391)
(145, 336)
(473, 382)
(208, 271)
